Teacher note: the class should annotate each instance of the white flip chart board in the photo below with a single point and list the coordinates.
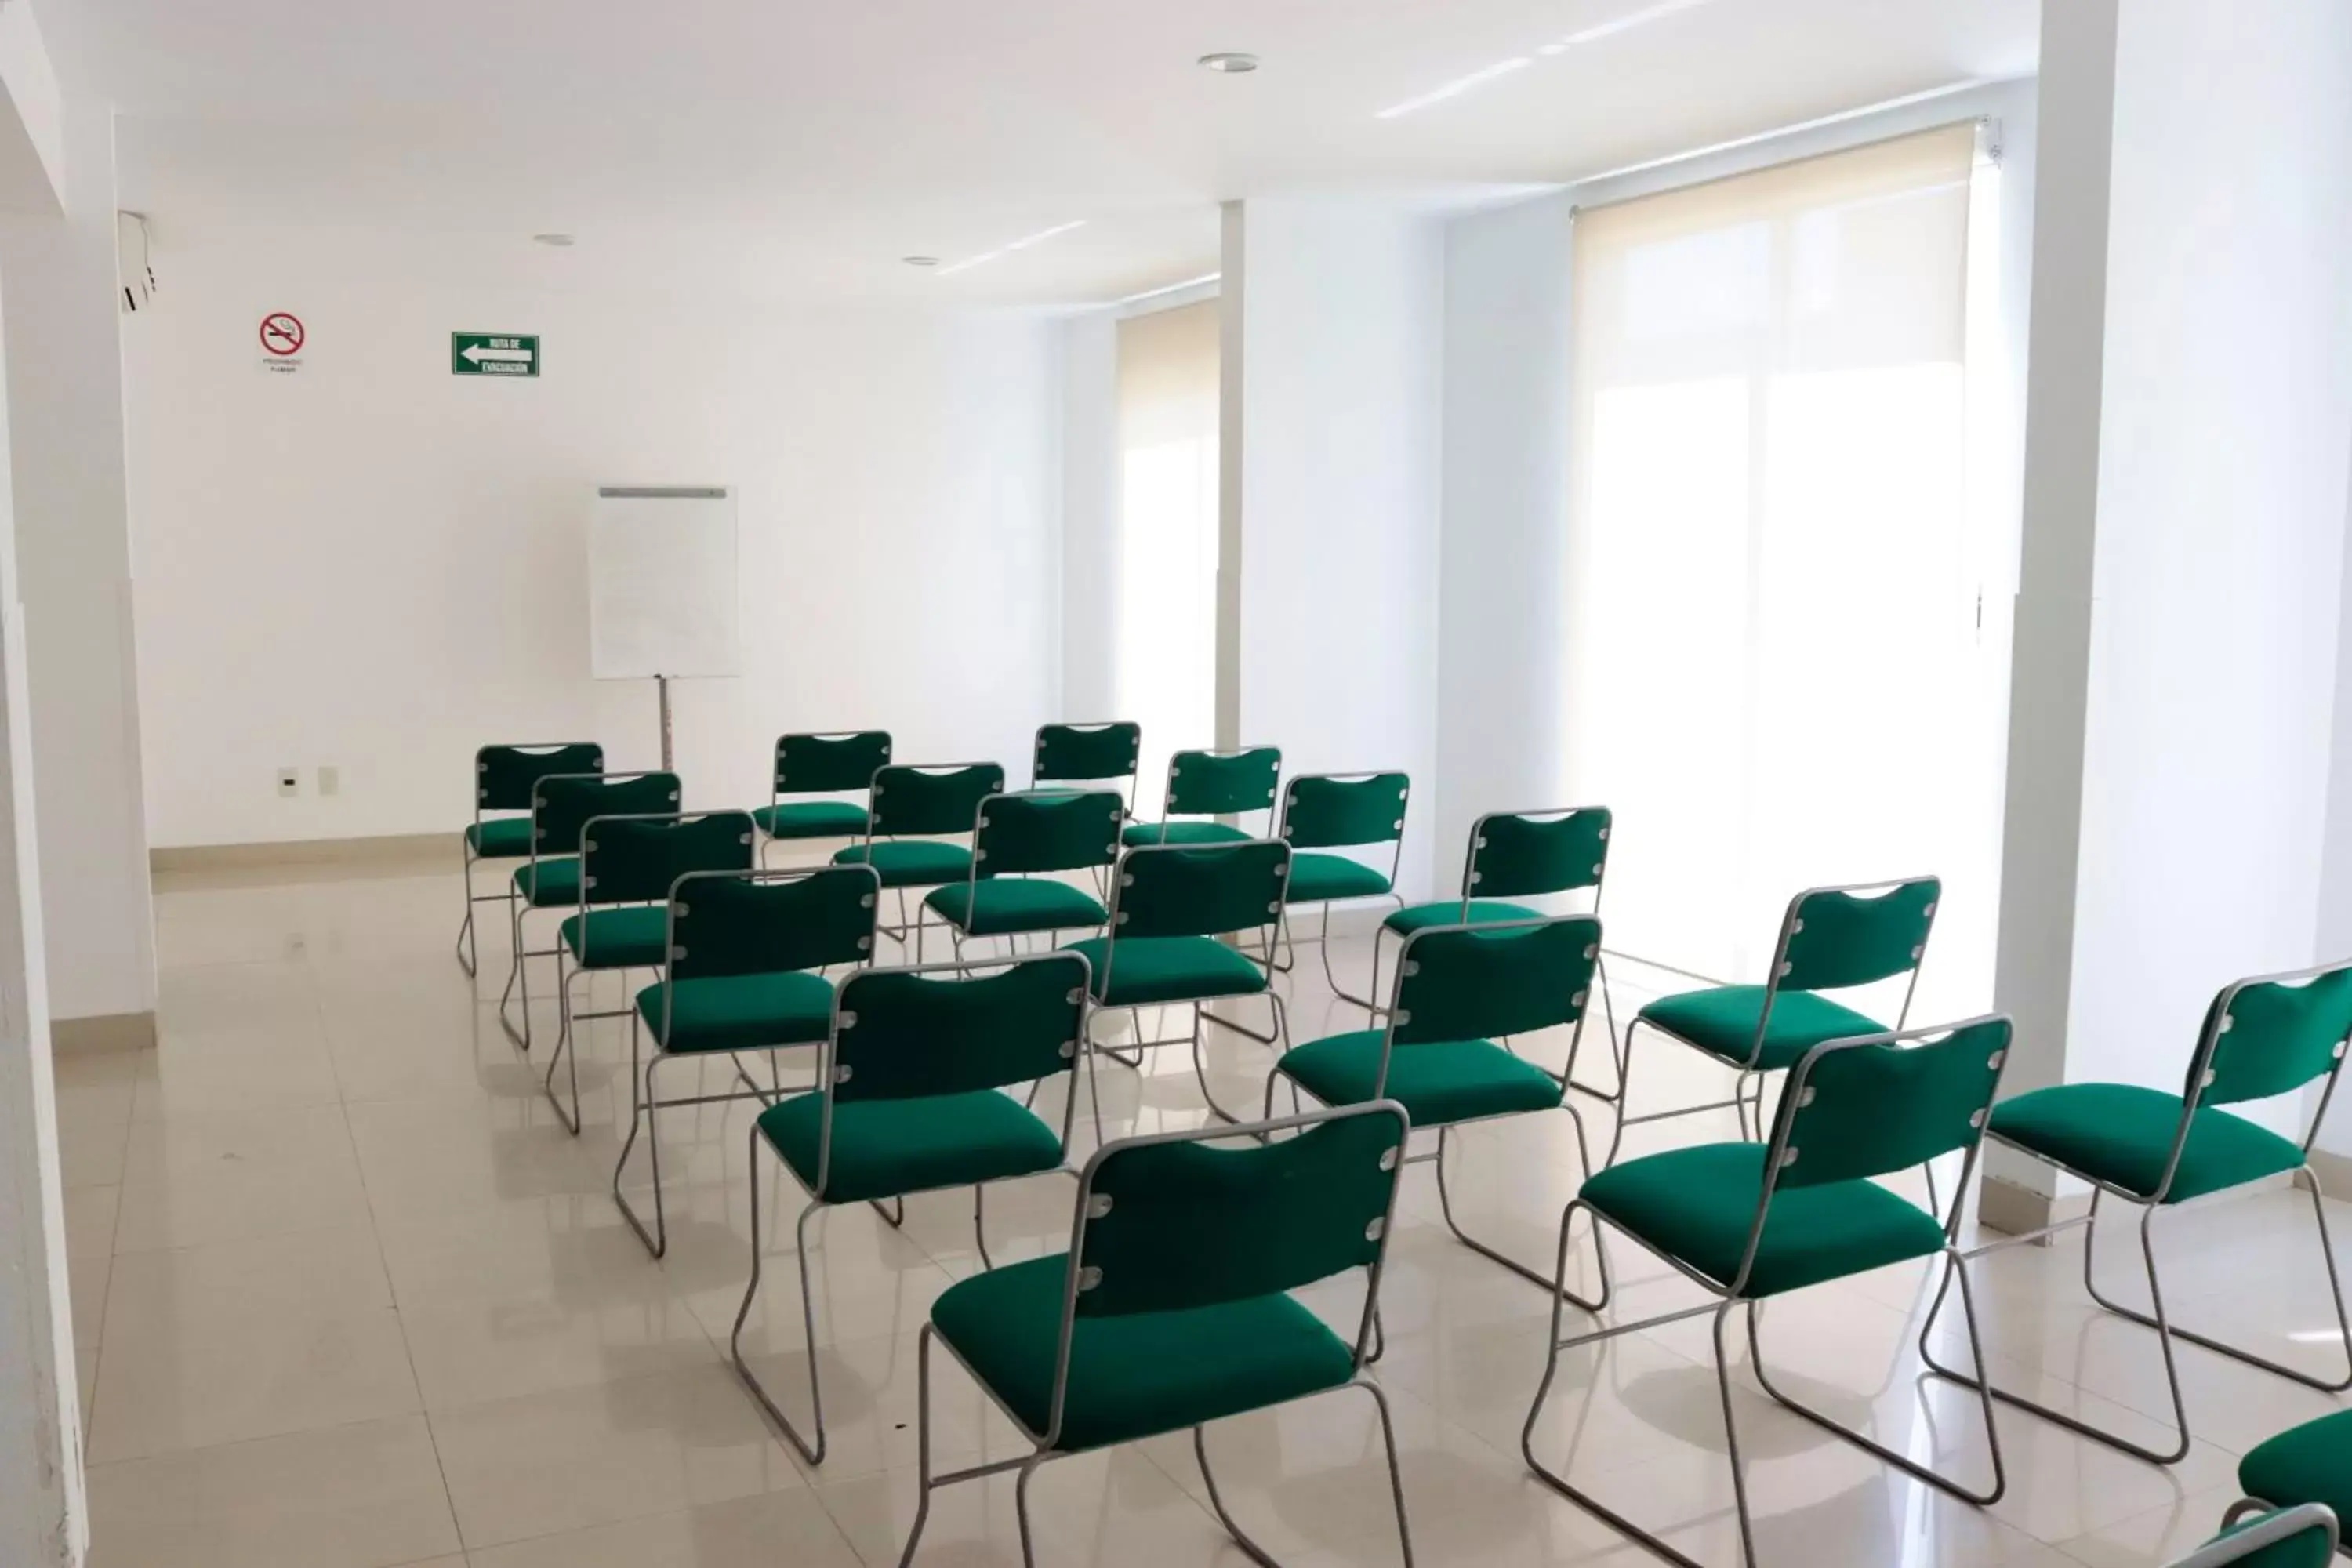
(662, 594)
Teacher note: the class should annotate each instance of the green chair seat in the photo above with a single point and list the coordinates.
(1138, 1374)
(1169, 969)
(1315, 879)
(1482, 912)
(811, 819)
(1437, 1083)
(543, 884)
(2122, 1134)
(1017, 904)
(1721, 1021)
(741, 1012)
(2310, 1463)
(1143, 835)
(499, 838)
(885, 1147)
(631, 938)
(1698, 1206)
(911, 862)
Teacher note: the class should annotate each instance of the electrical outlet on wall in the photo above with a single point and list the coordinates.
(289, 782)
(330, 780)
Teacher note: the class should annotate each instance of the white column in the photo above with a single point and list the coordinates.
(2189, 443)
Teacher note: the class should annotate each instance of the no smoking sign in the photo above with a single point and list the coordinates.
(282, 337)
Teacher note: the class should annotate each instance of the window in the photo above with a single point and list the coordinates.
(1777, 671)
(1168, 401)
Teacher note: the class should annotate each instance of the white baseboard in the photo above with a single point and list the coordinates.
(374, 852)
(106, 1032)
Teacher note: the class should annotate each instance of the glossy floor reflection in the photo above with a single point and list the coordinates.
(347, 1296)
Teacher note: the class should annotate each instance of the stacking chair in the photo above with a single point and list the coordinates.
(561, 805)
(2263, 1037)
(2300, 1537)
(1097, 754)
(742, 969)
(1460, 990)
(1205, 785)
(911, 832)
(909, 1100)
(1325, 813)
(1172, 1307)
(1832, 939)
(827, 767)
(1018, 842)
(1521, 855)
(628, 866)
(503, 776)
(2304, 1468)
(1183, 920)
(1748, 1222)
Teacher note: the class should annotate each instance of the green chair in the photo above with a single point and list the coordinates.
(1746, 1222)
(911, 1099)
(918, 814)
(1183, 921)
(2264, 1038)
(503, 776)
(1174, 1307)
(1018, 842)
(744, 956)
(1518, 854)
(1110, 753)
(1832, 939)
(1459, 991)
(2304, 1468)
(628, 866)
(1203, 786)
(561, 805)
(2300, 1537)
(826, 767)
(1323, 813)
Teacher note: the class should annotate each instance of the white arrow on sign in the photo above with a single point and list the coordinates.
(477, 355)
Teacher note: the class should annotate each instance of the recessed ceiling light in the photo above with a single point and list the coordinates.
(920, 260)
(1229, 64)
(560, 241)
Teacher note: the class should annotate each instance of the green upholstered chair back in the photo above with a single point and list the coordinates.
(2273, 1033)
(1884, 1104)
(907, 1034)
(1834, 938)
(1047, 830)
(1178, 1221)
(563, 804)
(2300, 1537)
(637, 859)
(1086, 753)
(767, 922)
(1481, 982)
(1344, 811)
(1208, 890)
(830, 763)
(503, 776)
(1523, 853)
(932, 801)
(1224, 783)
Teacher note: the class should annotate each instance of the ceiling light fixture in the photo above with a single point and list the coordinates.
(559, 241)
(1229, 64)
(920, 260)
(1456, 88)
(1008, 246)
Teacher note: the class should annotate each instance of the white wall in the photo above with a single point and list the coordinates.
(1340, 306)
(377, 565)
(1090, 503)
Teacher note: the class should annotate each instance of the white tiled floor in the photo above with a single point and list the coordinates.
(348, 1297)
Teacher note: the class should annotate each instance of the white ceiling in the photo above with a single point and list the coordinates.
(805, 146)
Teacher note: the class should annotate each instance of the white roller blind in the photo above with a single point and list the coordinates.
(1168, 535)
(1775, 675)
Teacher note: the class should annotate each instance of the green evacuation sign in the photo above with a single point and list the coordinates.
(493, 353)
